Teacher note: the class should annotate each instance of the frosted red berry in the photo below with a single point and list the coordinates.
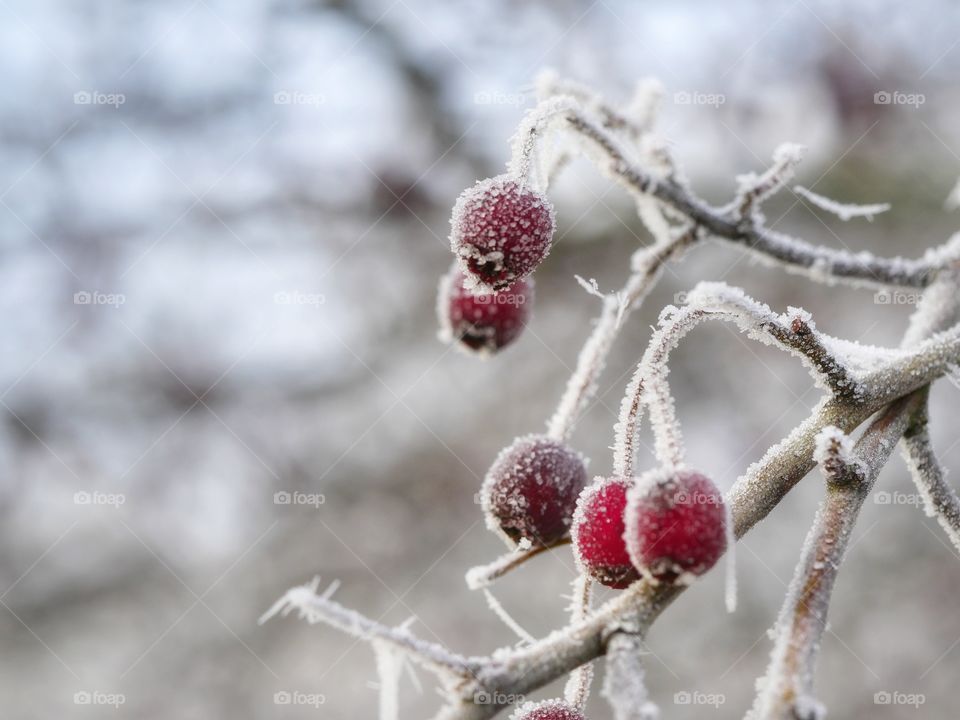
(482, 323)
(531, 490)
(676, 523)
(598, 533)
(548, 710)
(501, 231)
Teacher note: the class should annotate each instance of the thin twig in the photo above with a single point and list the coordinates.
(939, 498)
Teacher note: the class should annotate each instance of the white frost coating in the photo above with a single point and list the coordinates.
(938, 307)
(952, 201)
(646, 266)
(649, 210)
(389, 669)
(844, 211)
(644, 105)
(534, 124)
(591, 286)
(940, 500)
(507, 618)
(753, 189)
(577, 689)
(832, 442)
(624, 684)
(730, 567)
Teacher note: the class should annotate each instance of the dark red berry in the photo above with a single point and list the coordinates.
(548, 710)
(501, 232)
(482, 323)
(598, 533)
(676, 524)
(531, 490)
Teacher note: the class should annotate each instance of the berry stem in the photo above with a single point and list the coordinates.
(577, 690)
(483, 576)
(707, 301)
(816, 262)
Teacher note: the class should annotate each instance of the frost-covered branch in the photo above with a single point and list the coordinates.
(844, 211)
(317, 608)
(755, 189)
(820, 263)
(859, 381)
(623, 685)
(939, 498)
(786, 692)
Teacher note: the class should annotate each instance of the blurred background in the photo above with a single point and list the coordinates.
(222, 229)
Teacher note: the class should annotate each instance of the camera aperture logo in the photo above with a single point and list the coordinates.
(284, 497)
(99, 698)
(296, 697)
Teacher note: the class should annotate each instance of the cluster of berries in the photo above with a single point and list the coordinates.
(662, 524)
(501, 231)
(666, 525)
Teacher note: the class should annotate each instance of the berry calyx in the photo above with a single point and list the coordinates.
(501, 231)
(676, 524)
(548, 710)
(597, 532)
(531, 490)
(483, 323)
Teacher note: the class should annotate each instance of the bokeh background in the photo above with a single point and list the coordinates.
(222, 227)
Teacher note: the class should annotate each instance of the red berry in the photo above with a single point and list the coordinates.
(531, 489)
(482, 323)
(676, 524)
(548, 710)
(501, 231)
(598, 533)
